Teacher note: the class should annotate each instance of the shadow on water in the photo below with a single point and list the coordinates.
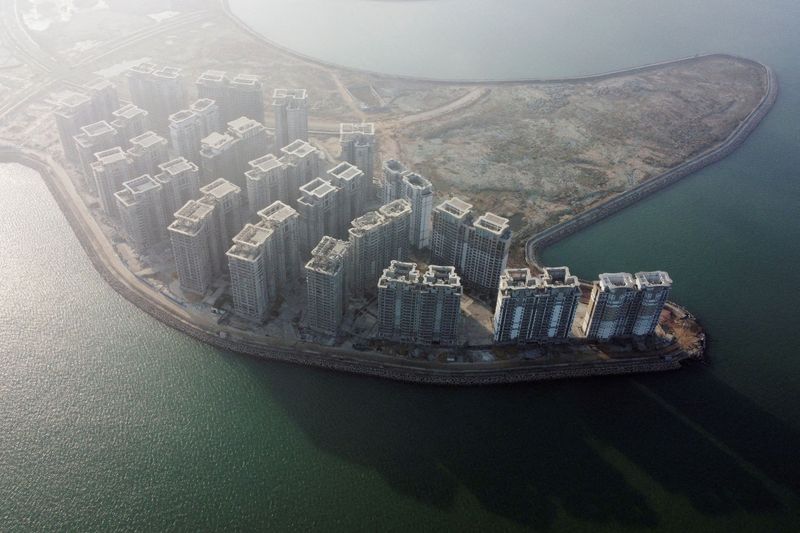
(526, 452)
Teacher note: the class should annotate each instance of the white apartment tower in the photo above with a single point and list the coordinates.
(612, 307)
(327, 285)
(353, 190)
(451, 219)
(130, 121)
(392, 182)
(319, 214)
(358, 147)
(419, 309)
(266, 182)
(377, 238)
(249, 264)
(302, 163)
(181, 182)
(192, 235)
(140, 204)
(653, 289)
(93, 138)
(291, 116)
(209, 119)
(284, 221)
(535, 309)
(419, 191)
(158, 90)
(240, 96)
(111, 169)
(486, 247)
(148, 150)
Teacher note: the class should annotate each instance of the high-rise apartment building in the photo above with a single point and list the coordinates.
(130, 121)
(148, 150)
(612, 307)
(451, 219)
(209, 118)
(353, 190)
(192, 234)
(181, 182)
(140, 204)
(291, 116)
(284, 221)
(237, 97)
(653, 289)
(158, 90)
(111, 169)
(392, 181)
(319, 214)
(228, 154)
(94, 138)
(217, 157)
(358, 147)
(377, 238)
(303, 163)
(74, 111)
(249, 266)
(419, 309)
(104, 96)
(185, 134)
(327, 285)
(486, 247)
(419, 191)
(266, 182)
(227, 201)
(535, 309)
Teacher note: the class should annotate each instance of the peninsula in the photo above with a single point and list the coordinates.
(558, 154)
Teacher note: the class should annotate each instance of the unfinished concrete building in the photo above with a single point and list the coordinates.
(535, 309)
(140, 204)
(291, 116)
(327, 286)
(419, 192)
(181, 182)
(377, 238)
(110, 170)
(249, 266)
(319, 215)
(419, 309)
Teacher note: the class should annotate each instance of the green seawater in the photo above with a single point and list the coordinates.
(109, 420)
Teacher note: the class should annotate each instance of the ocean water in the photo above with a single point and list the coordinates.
(109, 420)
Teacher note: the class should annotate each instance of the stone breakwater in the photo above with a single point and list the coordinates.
(712, 155)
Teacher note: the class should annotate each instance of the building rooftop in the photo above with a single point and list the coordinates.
(277, 212)
(129, 111)
(98, 84)
(400, 271)
(148, 139)
(346, 130)
(456, 207)
(299, 148)
(112, 155)
(492, 223)
(318, 188)
(212, 77)
(170, 73)
(394, 165)
(184, 115)
(345, 171)
(366, 223)
(126, 197)
(243, 125)
(247, 81)
(190, 217)
(141, 185)
(98, 128)
(395, 208)
(558, 277)
(203, 104)
(616, 280)
(296, 94)
(265, 163)
(517, 278)
(177, 166)
(219, 189)
(416, 181)
(143, 68)
(72, 100)
(249, 243)
(329, 256)
(442, 275)
(658, 278)
(217, 142)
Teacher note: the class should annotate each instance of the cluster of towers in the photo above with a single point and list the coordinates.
(258, 207)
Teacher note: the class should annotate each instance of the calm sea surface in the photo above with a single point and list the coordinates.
(109, 420)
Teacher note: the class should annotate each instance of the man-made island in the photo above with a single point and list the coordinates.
(339, 225)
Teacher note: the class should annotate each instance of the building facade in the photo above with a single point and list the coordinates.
(291, 116)
(110, 170)
(249, 267)
(319, 213)
(327, 290)
(140, 204)
(419, 192)
(358, 148)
